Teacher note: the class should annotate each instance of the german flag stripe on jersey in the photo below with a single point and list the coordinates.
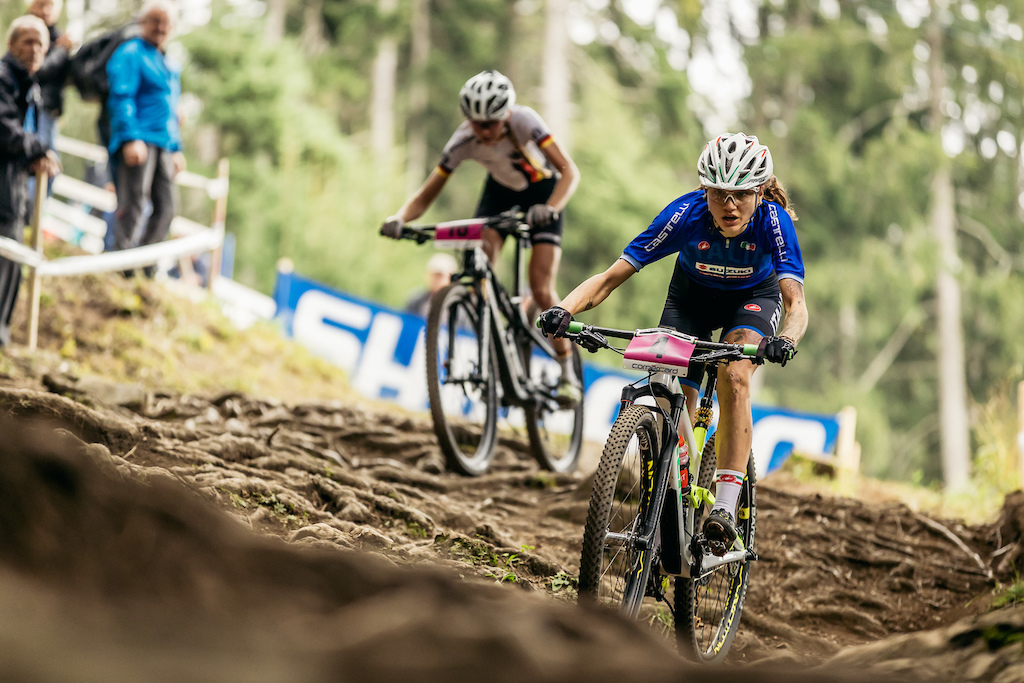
(443, 172)
(545, 141)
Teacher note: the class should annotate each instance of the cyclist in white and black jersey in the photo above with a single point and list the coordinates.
(526, 168)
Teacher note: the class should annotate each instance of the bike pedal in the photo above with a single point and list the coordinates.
(717, 549)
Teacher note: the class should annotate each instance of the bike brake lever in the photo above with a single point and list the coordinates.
(759, 358)
(411, 233)
(591, 341)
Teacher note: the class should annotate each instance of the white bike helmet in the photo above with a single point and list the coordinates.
(487, 96)
(734, 162)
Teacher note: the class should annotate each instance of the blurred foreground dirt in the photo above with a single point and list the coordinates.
(147, 535)
(229, 538)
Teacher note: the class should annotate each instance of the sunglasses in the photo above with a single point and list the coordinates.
(738, 196)
(487, 125)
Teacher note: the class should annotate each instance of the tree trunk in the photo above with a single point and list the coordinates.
(312, 38)
(556, 73)
(273, 26)
(954, 429)
(418, 95)
(382, 104)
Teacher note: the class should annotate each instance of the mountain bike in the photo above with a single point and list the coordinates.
(485, 359)
(654, 483)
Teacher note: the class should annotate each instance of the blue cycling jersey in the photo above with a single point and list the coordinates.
(685, 227)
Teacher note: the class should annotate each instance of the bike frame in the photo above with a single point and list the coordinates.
(673, 527)
(493, 303)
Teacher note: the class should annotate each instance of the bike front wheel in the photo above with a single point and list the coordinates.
(613, 569)
(556, 432)
(708, 608)
(461, 381)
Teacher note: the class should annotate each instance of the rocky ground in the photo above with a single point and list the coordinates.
(148, 534)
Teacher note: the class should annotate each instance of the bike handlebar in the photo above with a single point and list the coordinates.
(508, 223)
(592, 337)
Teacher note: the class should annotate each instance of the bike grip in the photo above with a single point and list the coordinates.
(575, 327)
(750, 349)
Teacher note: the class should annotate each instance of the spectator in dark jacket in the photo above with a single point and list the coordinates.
(21, 152)
(145, 139)
(53, 75)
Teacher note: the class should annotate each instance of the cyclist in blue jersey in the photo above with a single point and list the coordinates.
(738, 266)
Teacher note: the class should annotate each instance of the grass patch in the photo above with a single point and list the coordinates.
(563, 582)
(416, 531)
(480, 554)
(1010, 595)
(162, 338)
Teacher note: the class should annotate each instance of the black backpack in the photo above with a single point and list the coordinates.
(89, 64)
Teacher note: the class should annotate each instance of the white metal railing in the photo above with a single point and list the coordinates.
(67, 216)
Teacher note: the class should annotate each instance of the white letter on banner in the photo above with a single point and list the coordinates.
(805, 435)
(339, 346)
(377, 367)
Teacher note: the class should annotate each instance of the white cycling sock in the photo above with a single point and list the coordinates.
(730, 482)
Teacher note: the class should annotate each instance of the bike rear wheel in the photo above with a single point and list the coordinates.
(613, 570)
(708, 608)
(556, 432)
(463, 398)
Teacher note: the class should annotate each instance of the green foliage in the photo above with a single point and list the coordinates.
(564, 582)
(415, 530)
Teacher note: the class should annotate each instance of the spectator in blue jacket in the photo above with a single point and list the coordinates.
(21, 151)
(145, 139)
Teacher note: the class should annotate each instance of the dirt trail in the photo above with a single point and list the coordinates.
(333, 476)
(148, 535)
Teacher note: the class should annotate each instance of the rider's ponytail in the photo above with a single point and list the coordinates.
(775, 192)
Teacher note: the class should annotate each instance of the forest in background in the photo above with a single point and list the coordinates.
(895, 127)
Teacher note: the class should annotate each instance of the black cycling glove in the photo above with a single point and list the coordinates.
(555, 321)
(541, 216)
(777, 350)
(392, 227)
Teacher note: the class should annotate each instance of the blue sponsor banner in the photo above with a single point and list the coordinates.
(382, 350)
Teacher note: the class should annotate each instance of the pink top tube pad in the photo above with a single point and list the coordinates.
(659, 351)
(462, 234)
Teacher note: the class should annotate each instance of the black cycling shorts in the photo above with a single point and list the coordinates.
(497, 198)
(699, 310)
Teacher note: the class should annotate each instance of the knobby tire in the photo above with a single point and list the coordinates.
(454, 384)
(616, 573)
(556, 436)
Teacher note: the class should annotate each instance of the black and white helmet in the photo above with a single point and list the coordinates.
(487, 96)
(734, 162)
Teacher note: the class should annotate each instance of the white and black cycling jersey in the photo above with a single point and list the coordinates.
(515, 161)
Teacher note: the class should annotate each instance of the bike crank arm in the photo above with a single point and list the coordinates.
(712, 562)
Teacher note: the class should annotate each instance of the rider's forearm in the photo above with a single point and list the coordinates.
(795, 324)
(565, 187)
(418, 204)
